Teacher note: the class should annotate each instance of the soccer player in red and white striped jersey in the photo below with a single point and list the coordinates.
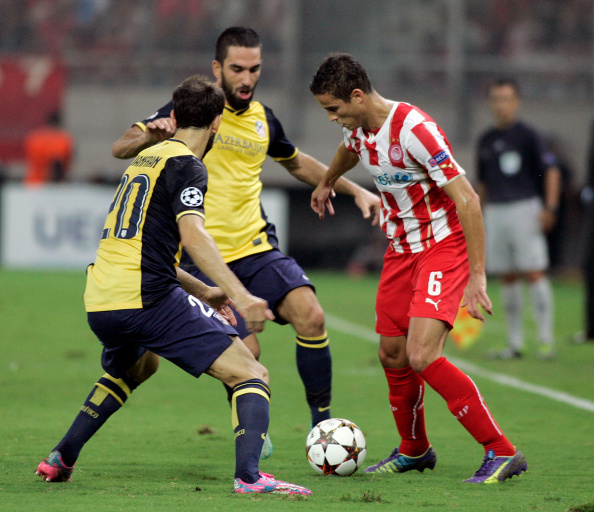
(410, 160)
(436, 258)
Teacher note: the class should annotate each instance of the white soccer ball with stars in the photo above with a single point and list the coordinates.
(335, 447)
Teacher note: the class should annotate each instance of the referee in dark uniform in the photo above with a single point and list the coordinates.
(519, 184)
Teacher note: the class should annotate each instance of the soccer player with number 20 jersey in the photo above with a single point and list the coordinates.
(137, 308)
(436, 257)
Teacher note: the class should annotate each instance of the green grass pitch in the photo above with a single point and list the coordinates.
(171, 447)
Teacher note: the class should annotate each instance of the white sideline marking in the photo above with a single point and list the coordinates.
(370, 335)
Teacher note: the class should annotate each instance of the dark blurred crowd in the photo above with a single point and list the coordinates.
(110, 41)
(111, 26)
(502, 27)
(530, 27)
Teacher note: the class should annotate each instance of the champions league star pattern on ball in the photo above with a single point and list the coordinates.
(336, 447)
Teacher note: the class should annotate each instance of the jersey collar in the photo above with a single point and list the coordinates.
(237, 112)
(180, 141)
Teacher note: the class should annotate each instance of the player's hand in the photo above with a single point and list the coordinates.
(320, 199)
(254, 311)
(475, 294)
(160, 129)
(218, 300)
(369, 204)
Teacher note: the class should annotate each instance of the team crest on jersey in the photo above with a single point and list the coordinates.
(260, 129)
(396, 154)
(442, 156)
(192, 197)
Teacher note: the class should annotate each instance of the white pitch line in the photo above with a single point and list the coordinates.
(370, 335)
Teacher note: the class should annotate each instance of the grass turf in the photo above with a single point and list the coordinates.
(170, 448)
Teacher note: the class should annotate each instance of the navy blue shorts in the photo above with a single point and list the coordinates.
(269, 275)
(179, 328)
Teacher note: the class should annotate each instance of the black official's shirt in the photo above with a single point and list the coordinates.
(512, 163)
(135, 264)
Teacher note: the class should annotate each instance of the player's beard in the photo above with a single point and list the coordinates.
(234, 102)
(209, 144)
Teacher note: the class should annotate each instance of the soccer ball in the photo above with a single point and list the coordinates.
(335, 447)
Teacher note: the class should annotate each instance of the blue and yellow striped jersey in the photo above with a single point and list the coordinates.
(135, 263)
(234, 214)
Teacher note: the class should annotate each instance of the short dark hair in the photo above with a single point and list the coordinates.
(236, 36)
(339, 75)
(197, 102)
(502, 82)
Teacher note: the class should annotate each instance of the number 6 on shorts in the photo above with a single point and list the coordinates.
(434, 285)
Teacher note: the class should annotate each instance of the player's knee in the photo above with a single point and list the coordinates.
(418, 360)
(238, 374)
(144, 368)
(534, 276)
(384, 357)
(151, 365)
(259, 371)
(510, 278)
(317, 318)
(301, 309)
(392, 357)
(310, 321)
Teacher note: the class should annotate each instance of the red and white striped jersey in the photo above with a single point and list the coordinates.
(410, 159)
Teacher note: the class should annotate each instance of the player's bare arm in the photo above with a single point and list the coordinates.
(309, 170)
(214, 296)
(481, 190)
(469, 212)
(552, 192)
(134, 140)
(203, 250)
(342, 162)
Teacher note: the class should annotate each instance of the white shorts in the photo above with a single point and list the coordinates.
(515, 240)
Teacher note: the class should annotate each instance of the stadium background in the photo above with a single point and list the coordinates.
(114, 62)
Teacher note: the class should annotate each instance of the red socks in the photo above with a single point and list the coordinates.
(407, 390)
(467, 405)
